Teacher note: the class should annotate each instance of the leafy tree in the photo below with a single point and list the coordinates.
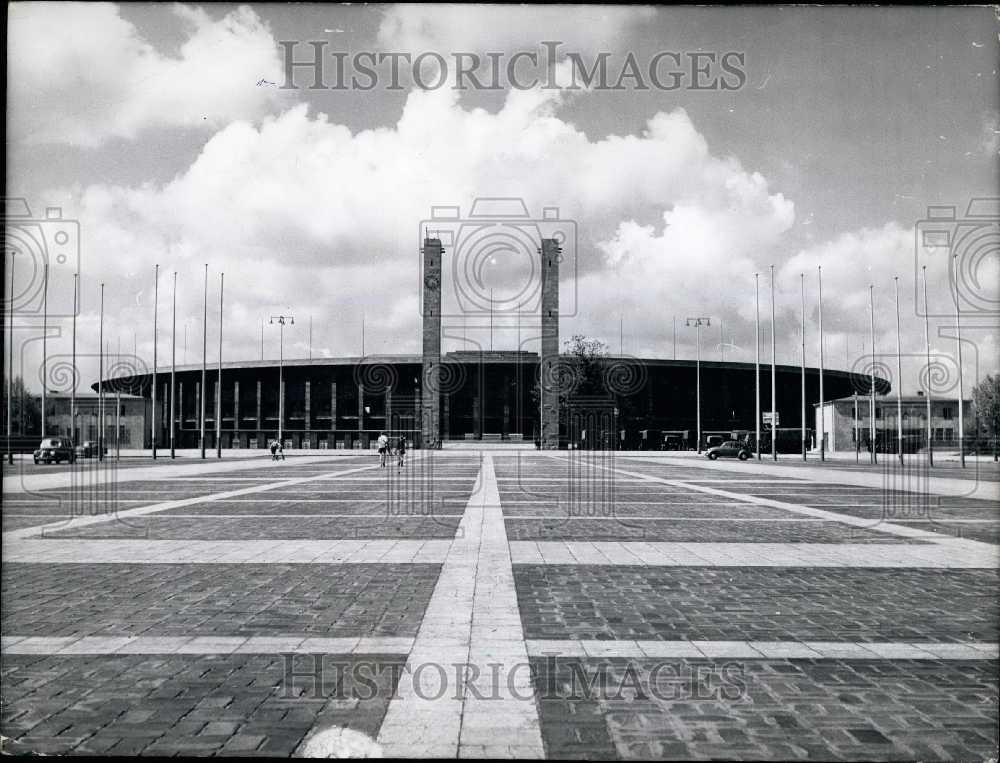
(986, 398)
(26, 409)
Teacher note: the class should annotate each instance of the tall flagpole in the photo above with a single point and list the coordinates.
(218, 394)
(961, 383)
(100, 382)
(72, 391)
(756, 357)
(802, 393)
(173, 370)
(871, 408)
(204, 363)
(822, 399)
(899, 376)
(156, 311)
(10, 356)
(45, 333)
(927, 346)
(774, 374)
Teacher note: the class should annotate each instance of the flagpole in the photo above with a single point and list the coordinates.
(173, 371)
(871, 411)
(927, 345)
(218, 393)
(100, 382)
(156, 311)
(72, 392)
(204, 363)
(45, 333)
(756, 350)
(822, 399)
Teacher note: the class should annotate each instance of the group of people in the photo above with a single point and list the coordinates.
(383, 444)
(384, 449)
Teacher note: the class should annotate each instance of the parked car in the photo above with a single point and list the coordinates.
(54, 450)
(88, 449)
(729, 449)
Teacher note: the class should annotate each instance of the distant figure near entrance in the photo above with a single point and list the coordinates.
(401, 452)
(383, 449)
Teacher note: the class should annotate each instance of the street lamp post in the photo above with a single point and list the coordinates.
(280, 320)
(774, 374)
(698, 323)
(802, 393)
(899, 376)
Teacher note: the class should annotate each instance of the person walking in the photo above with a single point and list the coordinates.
(401, 452)
(274, 450)
(383, 449)
(281, 449)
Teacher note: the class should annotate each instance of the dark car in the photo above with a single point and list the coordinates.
(54, 450)
(729, 449)
(88, 449)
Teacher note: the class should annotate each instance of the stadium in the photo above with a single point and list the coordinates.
(344, 403)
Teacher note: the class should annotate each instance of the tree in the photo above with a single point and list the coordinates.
(986, 399)
(26, 409)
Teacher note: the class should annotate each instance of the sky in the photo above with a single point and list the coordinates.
(164, 135)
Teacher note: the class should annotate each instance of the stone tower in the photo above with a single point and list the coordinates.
(430, 420)
(551, 254)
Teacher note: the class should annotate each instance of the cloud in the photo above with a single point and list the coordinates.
(80, 74)
(449, 28)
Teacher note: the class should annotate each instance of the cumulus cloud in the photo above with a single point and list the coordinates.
(303, 214)
(80, 74)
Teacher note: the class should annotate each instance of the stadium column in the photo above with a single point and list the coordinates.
(551, 254)
(430, 420)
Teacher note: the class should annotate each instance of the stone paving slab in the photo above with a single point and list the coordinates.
(766, 709)
(650, 509)
(947, 553)
(46, 551)
(320, 506)
(215, 600)
(189, 704)
(667, 530)
(266, 528)
(837, 650)
(757, 604)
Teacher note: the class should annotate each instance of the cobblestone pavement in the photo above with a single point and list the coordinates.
(500, 605)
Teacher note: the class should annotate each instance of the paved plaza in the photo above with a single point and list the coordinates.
(501, 603)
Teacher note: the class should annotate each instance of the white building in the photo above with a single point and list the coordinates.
(843, 425)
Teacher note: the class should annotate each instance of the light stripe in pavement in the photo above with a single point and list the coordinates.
(948, 553)
(203, 645)
(833, 650)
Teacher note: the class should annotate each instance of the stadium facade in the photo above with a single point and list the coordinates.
(434, 398)
(347, 402)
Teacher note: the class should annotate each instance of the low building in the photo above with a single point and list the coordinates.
(844, 426)
(125, 419)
